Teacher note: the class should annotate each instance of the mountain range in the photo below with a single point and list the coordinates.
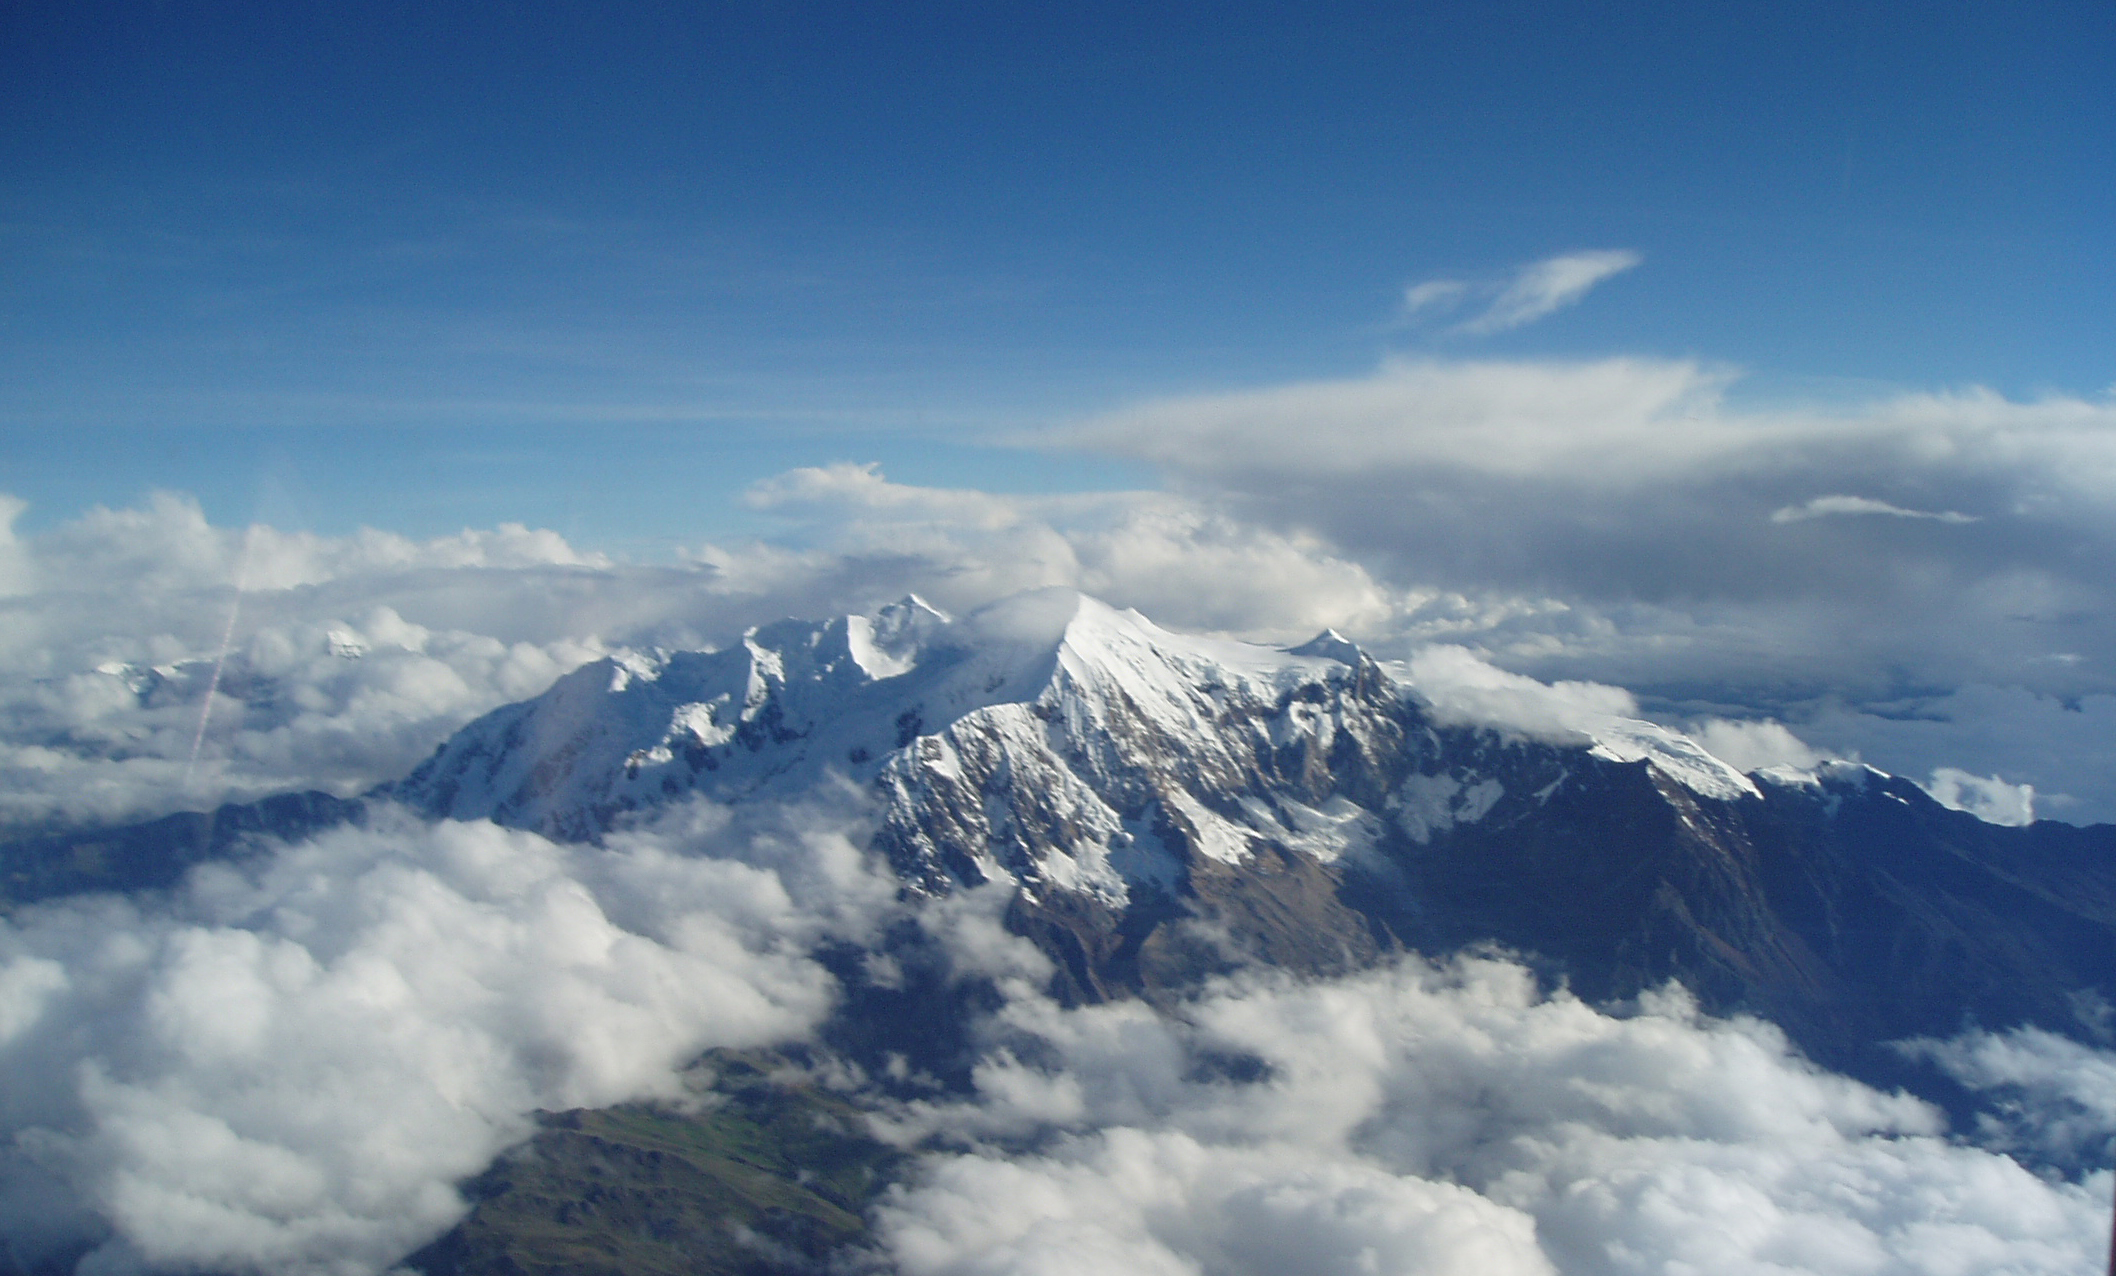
(1162, 809)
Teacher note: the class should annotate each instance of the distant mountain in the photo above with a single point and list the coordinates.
(1169, 807)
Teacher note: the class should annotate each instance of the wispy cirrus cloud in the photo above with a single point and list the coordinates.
(1838, 506)
(1433, 294)
(1535, 290)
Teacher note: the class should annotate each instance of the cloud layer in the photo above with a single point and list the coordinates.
(1619, 521)
(287, 1066)
(1454, 1119)
(1608, 523)
(151, 662)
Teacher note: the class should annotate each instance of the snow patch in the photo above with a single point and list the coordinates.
(1337, 829)
(1676, 756)
(1211, 834)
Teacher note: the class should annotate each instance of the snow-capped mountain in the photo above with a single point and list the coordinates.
(1049, 737)
(1170, 806)
(1164, 807)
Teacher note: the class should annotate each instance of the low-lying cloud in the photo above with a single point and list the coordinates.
(2055, 1098)
(288, 1064)
(1453, 1119)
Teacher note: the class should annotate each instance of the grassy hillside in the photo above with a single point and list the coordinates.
(771, 1179)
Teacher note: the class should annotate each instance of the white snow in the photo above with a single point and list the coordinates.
(1337, 829)
(1674, 755)
(1051, 722)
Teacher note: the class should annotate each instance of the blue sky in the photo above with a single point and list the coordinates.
(427, 266)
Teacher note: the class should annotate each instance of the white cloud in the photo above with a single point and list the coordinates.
(2062, 748)
(1182, 562)
(1461, 688)
(1546, 286)
(1619, 521)
(1534, 291)
(1452, 1119)
(1752, 746)
(2057, 1097)
(1986, 797)
(1612, 421)
(1433, 293)
(1133, 1202)
(287, 1066)
(1837, 506)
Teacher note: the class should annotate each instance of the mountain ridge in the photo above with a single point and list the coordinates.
(1165, 808)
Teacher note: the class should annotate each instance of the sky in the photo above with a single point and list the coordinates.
(1754, 358)
(431, 265)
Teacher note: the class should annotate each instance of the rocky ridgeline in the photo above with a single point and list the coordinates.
(1170, 807)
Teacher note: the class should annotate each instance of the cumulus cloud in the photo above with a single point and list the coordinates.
(1185, 564)
(1985, 796)
(1621, 521)
(2056, 1097)
(1752, 746)
(1446, 1119)
(1132, 1201)
(287, 1065)
(1461, 688)
(345, 659)
(1535, 290)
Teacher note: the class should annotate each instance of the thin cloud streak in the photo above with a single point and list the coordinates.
(1837, 506)
(1549, 286)
(1535, 290)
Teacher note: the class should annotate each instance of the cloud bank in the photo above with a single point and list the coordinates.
(1608, 523)
(1454, 1119)
(348, 659)
(287, 1065)
(1620, 521)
